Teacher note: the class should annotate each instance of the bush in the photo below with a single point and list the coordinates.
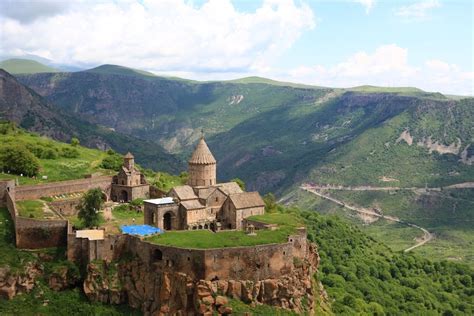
(112, 162)
(19, 160)
(68, 152)
(75, 142)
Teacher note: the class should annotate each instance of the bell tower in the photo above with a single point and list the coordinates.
(129, 161)
(202, 166)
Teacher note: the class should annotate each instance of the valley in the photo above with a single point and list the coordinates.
(396, 163)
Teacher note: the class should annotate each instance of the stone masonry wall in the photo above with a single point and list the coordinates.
(5, 186)
(65, 207)
(33, 233)
(27, 192)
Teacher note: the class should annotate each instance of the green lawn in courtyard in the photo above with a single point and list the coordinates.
(204, 239)
(30, 208)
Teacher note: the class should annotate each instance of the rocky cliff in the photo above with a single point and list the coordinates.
(156, 291)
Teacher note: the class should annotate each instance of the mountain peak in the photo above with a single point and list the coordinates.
(25, 66)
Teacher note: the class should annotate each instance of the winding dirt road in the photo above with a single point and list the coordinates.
(427, 236)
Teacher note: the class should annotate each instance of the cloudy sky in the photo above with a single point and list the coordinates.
(422, 43)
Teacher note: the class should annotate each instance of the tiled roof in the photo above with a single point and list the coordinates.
(202, 155)
(192, 204)
(229, 187)
(246, 200)
(184, 192)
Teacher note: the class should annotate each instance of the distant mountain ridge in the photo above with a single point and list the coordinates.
(25, 66)
(26, 108)
(271, 134)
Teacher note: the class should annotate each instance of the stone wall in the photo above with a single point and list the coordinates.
(6, 186)
(250, 263)
(35, 234)
(65, 207)
(28, 192)
(32, 233)
(158, 289)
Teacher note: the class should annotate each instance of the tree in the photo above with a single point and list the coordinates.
(240, 182)
(19, 160)
(270, 202)
(89, 207)
(75, 142)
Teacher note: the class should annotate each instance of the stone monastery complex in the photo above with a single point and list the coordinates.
(278, 274)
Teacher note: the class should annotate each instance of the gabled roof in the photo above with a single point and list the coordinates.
(203, 193)
(229, 187)
(202, 155)
(246, 200)
(128, 155)
(184, 192)
(192, 205)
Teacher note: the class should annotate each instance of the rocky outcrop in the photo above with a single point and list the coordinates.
(157, 290)
(62, 278)
(13, 283)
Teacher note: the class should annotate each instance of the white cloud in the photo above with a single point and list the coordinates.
(27, 11)
(387, 66)
(367, 4)
(419, 10)
(161, 36)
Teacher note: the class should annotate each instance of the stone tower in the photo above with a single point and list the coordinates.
(128, 161)
(202, 166)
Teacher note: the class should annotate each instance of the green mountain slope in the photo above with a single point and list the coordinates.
(30, 111)
(25, 66)
(119, 70)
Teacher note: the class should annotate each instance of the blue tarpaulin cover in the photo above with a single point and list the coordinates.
(142, 230)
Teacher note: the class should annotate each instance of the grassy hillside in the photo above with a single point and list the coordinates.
(30, 111)
(54, 164)
(119, 70)
(362, 275)
(25, 66)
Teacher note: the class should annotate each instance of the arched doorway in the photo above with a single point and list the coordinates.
(167, 221)
(124, 196)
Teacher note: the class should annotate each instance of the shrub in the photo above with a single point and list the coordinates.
(112, 162)
(75, 142)
(68, 152)
(19, 160)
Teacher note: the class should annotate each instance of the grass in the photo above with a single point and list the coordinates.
(58, 169)
(30, 208)
(25, 66)
(204, 239)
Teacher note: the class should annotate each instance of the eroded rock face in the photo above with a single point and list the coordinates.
(158, 291)
(13, 283)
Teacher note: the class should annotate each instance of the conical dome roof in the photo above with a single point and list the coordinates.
(202, 155)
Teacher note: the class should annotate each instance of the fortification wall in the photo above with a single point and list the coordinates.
(6, 186)
(249, 263)
(27, 192)
(32, 233)
(35, 234)
(239, 263)
(65, 207)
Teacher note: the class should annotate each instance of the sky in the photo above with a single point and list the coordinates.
(422, 43)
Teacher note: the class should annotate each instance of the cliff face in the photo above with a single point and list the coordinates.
(155, 291)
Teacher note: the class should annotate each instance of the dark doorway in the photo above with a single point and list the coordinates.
(124, 196)
(157, 254)
(167, 221)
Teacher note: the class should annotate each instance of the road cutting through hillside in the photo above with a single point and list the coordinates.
(427, 236)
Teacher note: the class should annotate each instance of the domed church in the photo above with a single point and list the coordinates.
(203, 203)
